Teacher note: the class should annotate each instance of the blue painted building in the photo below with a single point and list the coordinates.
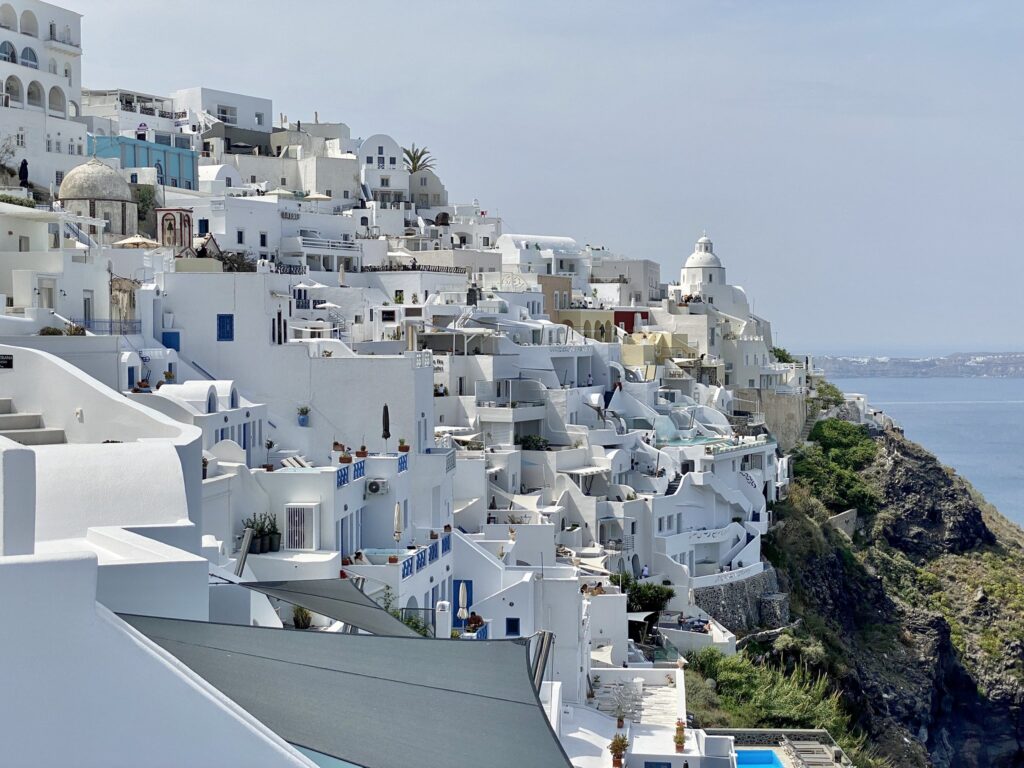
(175, 166)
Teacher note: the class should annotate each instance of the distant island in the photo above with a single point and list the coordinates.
(961, 365)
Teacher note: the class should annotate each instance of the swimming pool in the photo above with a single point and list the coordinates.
(764, 758)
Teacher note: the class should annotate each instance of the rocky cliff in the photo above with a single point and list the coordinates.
(921, 613)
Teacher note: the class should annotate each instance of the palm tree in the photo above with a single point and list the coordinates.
(417, 159)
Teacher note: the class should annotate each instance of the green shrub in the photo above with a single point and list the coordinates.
(49, 330)
(782, 355)
(829, 394)
(533, 443)
(15, 200)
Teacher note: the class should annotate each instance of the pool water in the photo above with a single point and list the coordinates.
(765, 758)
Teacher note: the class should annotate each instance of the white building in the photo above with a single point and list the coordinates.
(40, 65)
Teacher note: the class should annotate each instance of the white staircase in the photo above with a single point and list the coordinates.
(26, 428)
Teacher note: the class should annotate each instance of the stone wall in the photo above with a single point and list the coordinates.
(784, 415)
(737, 605)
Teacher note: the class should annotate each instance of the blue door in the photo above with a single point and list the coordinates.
(456, 589)
(131, 376)
(172, 340)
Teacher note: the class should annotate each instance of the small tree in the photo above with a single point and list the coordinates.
(782, 355)
(417, 159)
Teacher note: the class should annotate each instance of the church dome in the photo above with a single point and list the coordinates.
(703, 256)
(94, 181)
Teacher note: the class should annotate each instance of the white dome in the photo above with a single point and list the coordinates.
(703, 256)
(94, 181)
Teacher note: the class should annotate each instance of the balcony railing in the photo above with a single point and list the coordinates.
(403, 462)
(302, 303)
(446, 544)
(111, 327)
(290, 269)
(407, 568)
(347, 471)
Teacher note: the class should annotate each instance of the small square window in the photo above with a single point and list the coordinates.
(259, 118)
(392, 161)
(423, 181)
(328, 193)
(380, 150)
(345, 194)
(252, 179)
(511, 627)
(240, 236)
(263, 239)
(283, 181)
(369, 160)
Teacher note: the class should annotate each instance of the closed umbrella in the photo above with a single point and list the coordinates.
(386, 432)
(463, 600)
(398, 521)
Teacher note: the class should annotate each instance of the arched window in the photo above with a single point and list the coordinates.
(12, 89)
(75, 109)
(57, 101)
(8, 17)
(8, 52)
(211, 403)
(29, 24)
(29, 58)
(234, 398)
(52, 66)
(35, 94)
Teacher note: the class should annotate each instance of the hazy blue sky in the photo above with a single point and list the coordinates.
(858, 165)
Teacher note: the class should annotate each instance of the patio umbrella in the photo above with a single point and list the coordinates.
(281, 192)
(398, 521)
(463, 612)
(327, 305)
(136, 241)
(316, 196)
(386, 424)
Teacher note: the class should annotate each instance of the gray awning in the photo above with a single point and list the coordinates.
(374, 701)
(337, 599)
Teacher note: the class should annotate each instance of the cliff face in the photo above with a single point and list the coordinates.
(921, 614)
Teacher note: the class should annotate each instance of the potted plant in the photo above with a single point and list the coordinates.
(338, 446)
(392, 559)
(447, 528)
(433, 534)
(346, 561)
(303, 415)
(168, 376)
(402, 446)
(206, 466)
(264, 534)
(273, 533)
(345, 458)
(680, 740)
(301, 617)
(618, 748)
(254, 545)
(620, 715)
(362, 453)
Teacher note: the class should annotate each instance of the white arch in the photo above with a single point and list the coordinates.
(14, 90)
(8, 52)
(29, 58)
(51, 66)
(8, 17)
(73, 109)
(57, 101)
(35, 95)
(29, 24)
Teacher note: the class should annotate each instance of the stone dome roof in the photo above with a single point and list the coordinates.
(703, 256)
(94, 181)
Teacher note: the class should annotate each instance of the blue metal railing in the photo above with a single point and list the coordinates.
(446, 544)
(407, 569)
(111, 327)
(342, 476)
(358, 470)
(483, 632)
(421, 559)
(432, 552)
(403, 462)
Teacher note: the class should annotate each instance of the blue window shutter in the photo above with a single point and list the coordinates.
(225, 327)
(511, 627)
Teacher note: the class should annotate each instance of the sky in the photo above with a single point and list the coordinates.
(857, 165)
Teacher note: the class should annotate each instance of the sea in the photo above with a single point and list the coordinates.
(975, 426)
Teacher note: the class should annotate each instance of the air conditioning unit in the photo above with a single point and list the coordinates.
(302, 526)
(376, 486)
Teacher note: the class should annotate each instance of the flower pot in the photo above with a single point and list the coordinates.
(346, 561)
(346, 459)
(268, 467)
(447, 528)
(403, 448)
(303, 419)
(362, 454)
(392, 559)
(264, 543)
(254, 545)
(617, 762)
(433, 534)
(275, 542)
(338, 446)
(620, 722)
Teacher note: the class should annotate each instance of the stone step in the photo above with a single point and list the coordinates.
(6, 405)
(20, 421)
(38, 436)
